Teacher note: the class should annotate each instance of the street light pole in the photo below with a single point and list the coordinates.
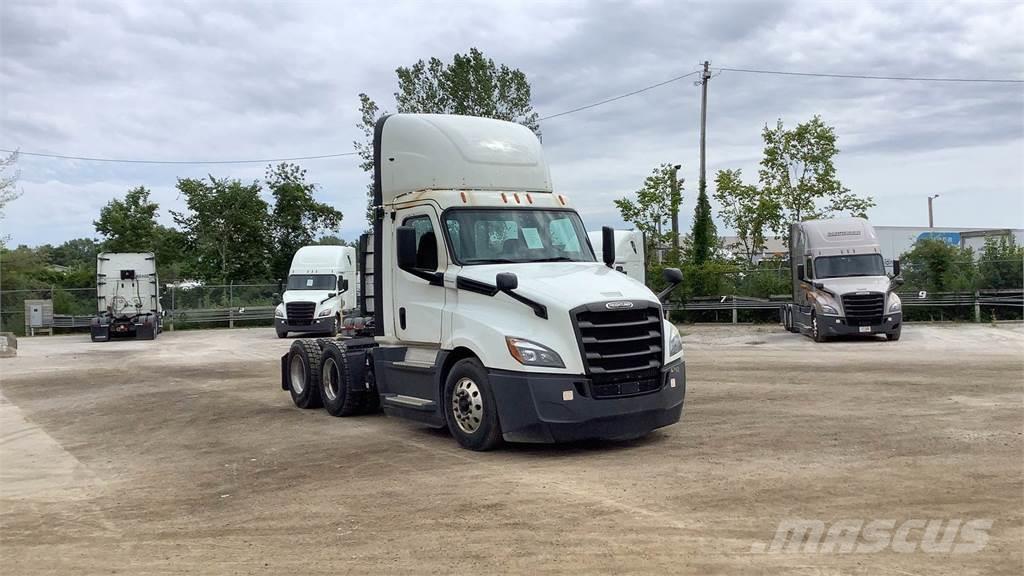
(675, 200)
(931, 221)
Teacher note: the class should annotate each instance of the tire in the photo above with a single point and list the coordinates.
(337, 324)
(894, 335)
(469, 407)
(816, 332)
(281, 334)
(338, 393)
(304, 373)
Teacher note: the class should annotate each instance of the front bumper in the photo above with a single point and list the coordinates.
(838, 326)
(553, 408)
(318, 326)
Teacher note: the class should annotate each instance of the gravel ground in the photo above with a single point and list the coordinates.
(184, 456)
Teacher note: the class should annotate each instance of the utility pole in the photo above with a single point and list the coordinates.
(705, 76)
(675, 200)
(931, 221)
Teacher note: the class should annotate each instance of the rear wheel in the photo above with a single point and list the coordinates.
(340, 395)
(469, 407)
(304, 373)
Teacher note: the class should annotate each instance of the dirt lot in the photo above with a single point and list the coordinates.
(184, 456)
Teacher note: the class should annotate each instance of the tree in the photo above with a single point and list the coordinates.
(79, 252)
(297, 219)
(938, 266)
(798, 174)
(225, 229)
(471, 85)
(744, 209)
(651, 209)
(332, 241)
(1001, 265)
(128, 225)
(8, 188)
(704, 234)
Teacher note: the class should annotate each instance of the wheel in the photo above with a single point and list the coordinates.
(340, 395)
(337, 324)
(816, 332)
(470, 410)
(894, 335)
(304, 373)
(281, 334)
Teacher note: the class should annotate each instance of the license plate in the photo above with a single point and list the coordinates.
(865, 328)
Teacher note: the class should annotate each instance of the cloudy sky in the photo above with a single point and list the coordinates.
(223, 80)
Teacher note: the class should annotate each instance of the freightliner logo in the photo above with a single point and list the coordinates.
(618, 305)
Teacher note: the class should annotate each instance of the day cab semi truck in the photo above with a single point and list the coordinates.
(321, 288)
(840, 285)
(492, 316)
(127, 297)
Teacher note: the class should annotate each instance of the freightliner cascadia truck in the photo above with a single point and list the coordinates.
(840, 285)
(127, 297)
(491, 315)
(321, 288)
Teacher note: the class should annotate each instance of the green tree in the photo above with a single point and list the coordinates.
(128, 225)
(332, 241)
(226, 230)
(798, 174)
(297, 218)
(938, 266)
(79, 252)
(1001, 265)
(471, 85)
(650, 210)
(704, 234)
(744, 209)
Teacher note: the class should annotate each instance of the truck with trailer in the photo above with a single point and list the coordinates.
(320, 290)
(491, 315)
(127, 297)
(629, 252)
(840, 284)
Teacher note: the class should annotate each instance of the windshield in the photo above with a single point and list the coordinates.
(853, 265)
(516, 235)
(312, 282)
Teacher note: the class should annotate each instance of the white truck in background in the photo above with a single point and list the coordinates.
(321, 288)
(840, 286)
(127, 297)
(491, 315)
(629, 252)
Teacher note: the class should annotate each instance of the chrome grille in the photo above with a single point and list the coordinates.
(864, 308)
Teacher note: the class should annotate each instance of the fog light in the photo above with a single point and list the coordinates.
(889, 319)
(672, 382)
(566, 395)
(837, 321)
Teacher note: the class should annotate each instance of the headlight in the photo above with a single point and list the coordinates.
(530, 353)
(279, 311)
(675, 341)
(895, 305)
(325, 312)
(826, 309)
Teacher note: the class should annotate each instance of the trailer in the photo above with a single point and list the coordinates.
(840, 285)
(491, 315)
(127, 297)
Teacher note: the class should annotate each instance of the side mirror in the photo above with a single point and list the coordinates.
(342, 285)
(896, 282)
(896, 268)
(405, 246)
(506, 281)
(673, 277)
(800, 272)
(331, 295)
(608, 245)
(275, 298)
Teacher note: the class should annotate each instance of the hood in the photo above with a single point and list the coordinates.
(566, 285)
(316, 296)
(856, 284)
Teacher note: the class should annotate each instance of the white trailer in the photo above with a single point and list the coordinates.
(321, 288)
(840, 287)
(629, 252)
(491, 315)
(127, 297)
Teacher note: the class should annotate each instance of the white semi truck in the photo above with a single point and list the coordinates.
(629, 252)
(840, 285)
(320, 290)
(127, 297)
(491, 315)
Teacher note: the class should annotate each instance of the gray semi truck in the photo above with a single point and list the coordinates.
(840, 284)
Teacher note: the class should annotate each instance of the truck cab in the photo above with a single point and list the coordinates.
(320, 289)
(127, 297)
(492, 315)
(840, 284)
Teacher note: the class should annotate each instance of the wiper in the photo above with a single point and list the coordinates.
(555, 259)
(491, 261)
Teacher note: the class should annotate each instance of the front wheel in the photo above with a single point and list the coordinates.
(470, 410)
(816, 331)
(894, 335)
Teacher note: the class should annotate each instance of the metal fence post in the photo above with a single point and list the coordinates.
(172, 307)
(734, 310)
(977, 306)
(231, 304)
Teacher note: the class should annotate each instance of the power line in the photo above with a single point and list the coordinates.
(870, 77)
(620, 97)
(134, 161)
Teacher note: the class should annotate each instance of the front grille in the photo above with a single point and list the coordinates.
(300, 313)
(864, 308)
(621, 348)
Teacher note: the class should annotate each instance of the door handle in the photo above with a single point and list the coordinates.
(401, 317)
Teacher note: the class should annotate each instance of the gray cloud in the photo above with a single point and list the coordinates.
(222, 80)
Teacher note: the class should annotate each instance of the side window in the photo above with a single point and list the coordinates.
(426, 241)
(808, 270)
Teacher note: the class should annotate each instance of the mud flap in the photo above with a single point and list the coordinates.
(284, 373)
(99, 332)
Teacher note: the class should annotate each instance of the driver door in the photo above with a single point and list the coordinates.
(418, 305)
